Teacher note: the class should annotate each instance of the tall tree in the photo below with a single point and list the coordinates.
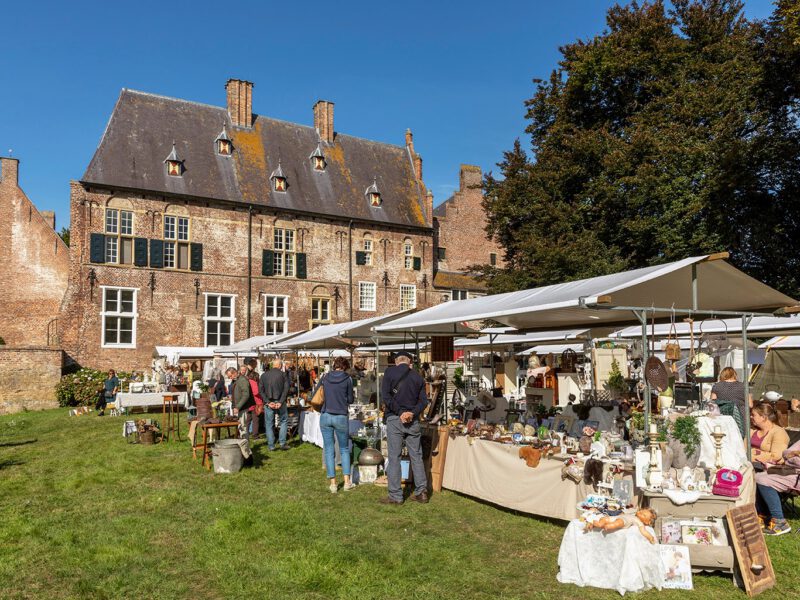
(673, 133)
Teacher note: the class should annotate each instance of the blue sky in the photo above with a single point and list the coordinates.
(456, 73)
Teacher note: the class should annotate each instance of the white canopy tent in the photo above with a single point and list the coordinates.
(782, 341)
(174, 354)
(698, 286)
(487, 342)
(554, 348)
(255, 343)
(327, 336)
(757, 326)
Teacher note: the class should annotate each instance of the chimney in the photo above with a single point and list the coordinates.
(49, 216)
(429, 205)
(9, 174)
(418, 166)
(410, 140)
(323, 120)
(240, 102)
(470, 177)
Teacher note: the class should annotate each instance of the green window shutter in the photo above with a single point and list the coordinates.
(267, 264)
(140, 252)
(196, 256)
(301, 266)
(361, 257)
(417, 263)
(157, 254)
(97, 248)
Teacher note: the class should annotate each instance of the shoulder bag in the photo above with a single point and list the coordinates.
(318, 399)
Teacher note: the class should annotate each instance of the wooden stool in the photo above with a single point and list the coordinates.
(170, 420)
(206, 462)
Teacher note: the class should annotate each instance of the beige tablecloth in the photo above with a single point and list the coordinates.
(494, 472)
(128, 400)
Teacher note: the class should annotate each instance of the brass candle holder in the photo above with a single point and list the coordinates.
(718, 436)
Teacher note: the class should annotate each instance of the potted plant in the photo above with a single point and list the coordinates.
(615, 382)
(685, 442)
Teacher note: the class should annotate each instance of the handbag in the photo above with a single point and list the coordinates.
(318, 399)
(672, 349)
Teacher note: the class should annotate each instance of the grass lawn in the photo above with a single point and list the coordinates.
(83, 514)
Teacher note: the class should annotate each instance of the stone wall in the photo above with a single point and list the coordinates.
(34, 265)
(28, 378)
(171, 308)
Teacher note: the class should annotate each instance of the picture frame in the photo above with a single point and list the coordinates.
(623, 491)
(676, 566)
(562, 423)
(642, 462)
(670, 532)
(693, 533)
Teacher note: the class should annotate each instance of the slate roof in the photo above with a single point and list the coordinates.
(143, 126)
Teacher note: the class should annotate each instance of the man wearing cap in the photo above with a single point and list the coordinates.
(404, 399)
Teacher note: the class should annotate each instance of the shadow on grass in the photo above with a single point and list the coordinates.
(18, 443)
(10, 462)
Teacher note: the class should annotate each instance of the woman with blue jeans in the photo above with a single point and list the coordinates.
(338, 387)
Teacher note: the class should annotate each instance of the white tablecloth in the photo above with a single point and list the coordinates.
(621, 560)
(311, 432)
(734, 453)
(604, 417)
(128, 400)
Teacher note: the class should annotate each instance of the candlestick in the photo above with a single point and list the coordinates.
(718, 437)
(653, 428)
(717, 429)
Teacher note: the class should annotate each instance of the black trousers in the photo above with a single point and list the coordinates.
(101, 401)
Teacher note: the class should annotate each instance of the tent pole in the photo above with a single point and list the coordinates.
(694, 287)
(642, 316)
(746, 379)
(492, 337)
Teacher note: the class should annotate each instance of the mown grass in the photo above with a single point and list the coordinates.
(83, 514)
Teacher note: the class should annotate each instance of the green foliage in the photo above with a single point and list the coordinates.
(458, 377)
(685, 430)
(672, 133)
(81, 388)
(616, 381)
(64, 235)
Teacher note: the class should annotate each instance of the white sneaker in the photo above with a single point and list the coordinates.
(333, 488)
(348, 486)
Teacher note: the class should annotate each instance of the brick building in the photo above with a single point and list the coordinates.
(199, 225)
(35, 265)
(460, 239)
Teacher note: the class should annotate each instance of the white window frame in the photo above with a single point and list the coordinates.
(367, 302)
(283, 320)
(116, 234)
(284, 252)
(368, 251)
(134, 314)
(408, 292)
(219, 319)
(408, 255)
(463, 294)
(179, 234)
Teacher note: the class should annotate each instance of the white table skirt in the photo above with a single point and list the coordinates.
(311, 431)
(128, 400)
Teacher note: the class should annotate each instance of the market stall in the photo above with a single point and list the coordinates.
(128, 400)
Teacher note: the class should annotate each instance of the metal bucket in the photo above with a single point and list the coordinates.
(227, 456)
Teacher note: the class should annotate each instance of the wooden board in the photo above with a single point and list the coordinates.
(434, 452)
(441, 348)
(751, 549)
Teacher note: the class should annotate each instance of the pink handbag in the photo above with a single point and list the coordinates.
(727, 483)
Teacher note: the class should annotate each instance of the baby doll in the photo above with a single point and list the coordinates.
(643, 518)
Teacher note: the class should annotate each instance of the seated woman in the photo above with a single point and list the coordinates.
(769, 486)
(767, 438)
(728, 394)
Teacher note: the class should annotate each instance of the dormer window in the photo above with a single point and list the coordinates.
(318, 159)
(174, 163)
(373, 194)
(224, 146)
(278, 179)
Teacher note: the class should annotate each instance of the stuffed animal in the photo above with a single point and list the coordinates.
(644, 517)
(531, 455)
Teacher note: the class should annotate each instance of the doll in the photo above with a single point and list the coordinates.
(644, 517)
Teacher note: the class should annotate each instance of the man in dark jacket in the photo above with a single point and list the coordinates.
(243, 399)
(403, 395)
(274, 387)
